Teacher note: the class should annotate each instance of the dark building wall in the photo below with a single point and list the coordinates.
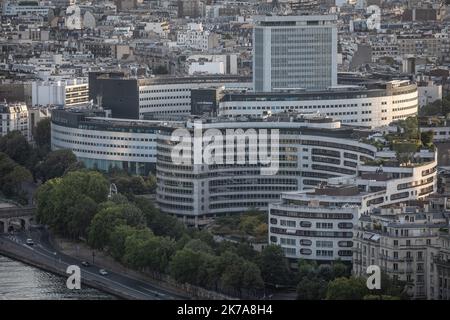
(94, 84)
(204, 101)
(15, 92)
(189, 8)
(119, 95)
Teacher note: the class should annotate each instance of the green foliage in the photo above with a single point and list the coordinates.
(55, 164)
(187, 266)
(347, 289)
(133, 185)
(12, 176)
(409, 128)
(16, 146)
(340, 270)
(60, 199)
(42, 134)
(311, 288)
(427, 137)
(436, 108)
(108, 218)
(144, 250)
(161, 224)
(238, 273)
(273, 265)
(117, 240)
(252, 223)
(198, 245)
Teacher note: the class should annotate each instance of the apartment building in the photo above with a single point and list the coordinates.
(408, 244)
(13, 116)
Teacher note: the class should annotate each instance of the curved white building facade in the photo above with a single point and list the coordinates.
(105, 143)
(371, 107)
(318, 224)
(311, 150)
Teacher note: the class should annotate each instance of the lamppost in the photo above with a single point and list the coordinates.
(54, 254)
(93, 256)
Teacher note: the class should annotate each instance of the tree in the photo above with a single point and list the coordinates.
(325, 272)
(41, 134)
(311, 289)
(145, 250)
(405, 151)
(432, 109)
(347, 289)
(238, 273)
(102, 226)
(117, 240)
(160, 223)
(273, 265)
(16, 146)
(60, 199)
(136, 253)
(55, 164)
(186, 265)
(340, 270)
(81, 215)
(427, 137)
(111, 216)
(307, 268)
(198, 245)
(12, 176)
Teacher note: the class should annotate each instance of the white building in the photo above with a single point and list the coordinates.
(65, 92)
(428, 92)
(294, 52)
(373, 106)
(197, 38)
(105, 143)
(317, 224)
(212, 64)
(13, 116)
(172, 96)
(25, 8)
(160, 28)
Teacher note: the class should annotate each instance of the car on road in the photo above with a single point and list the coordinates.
(30, 242)
(103, 272)
(85, 264)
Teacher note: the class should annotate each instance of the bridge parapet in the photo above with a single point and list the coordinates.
(16, 217)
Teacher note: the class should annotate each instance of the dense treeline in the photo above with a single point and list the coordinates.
(140, 236)
(12, 176)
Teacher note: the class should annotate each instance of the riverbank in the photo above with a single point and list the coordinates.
(21, 281)
(16, 253)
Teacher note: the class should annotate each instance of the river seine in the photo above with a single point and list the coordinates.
(19, 281)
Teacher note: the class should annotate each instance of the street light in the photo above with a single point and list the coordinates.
(54, 254)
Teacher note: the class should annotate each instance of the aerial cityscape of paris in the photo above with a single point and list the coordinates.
(247, 152)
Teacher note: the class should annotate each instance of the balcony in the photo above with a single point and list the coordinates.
(441, 261)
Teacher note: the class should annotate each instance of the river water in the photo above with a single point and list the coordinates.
(20, 281)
